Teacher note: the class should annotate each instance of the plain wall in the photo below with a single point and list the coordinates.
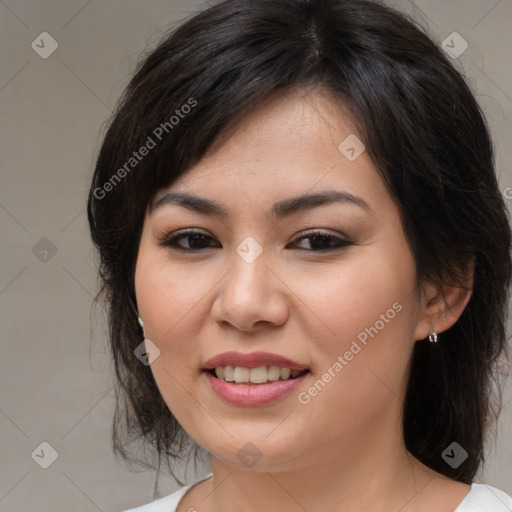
(56, 381)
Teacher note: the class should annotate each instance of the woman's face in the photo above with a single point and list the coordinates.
(344, 304)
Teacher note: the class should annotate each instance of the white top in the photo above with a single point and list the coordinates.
(481, 498)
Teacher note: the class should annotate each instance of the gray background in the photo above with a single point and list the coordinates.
(56, 382)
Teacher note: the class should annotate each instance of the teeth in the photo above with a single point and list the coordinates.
(228, 374)
(273, 373)
(242, 374)
(257, 375)
(285, 373)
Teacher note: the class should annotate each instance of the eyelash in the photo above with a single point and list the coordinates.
(171, 242)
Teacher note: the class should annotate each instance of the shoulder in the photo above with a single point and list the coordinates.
(165, 504)
(485, 498)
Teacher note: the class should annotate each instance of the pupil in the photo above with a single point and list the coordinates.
(195, 237)
(316, 241)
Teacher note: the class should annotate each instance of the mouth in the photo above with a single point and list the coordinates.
(254, 386)
(254, 368)
(255, 376)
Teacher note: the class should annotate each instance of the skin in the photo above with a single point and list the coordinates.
(344, 450)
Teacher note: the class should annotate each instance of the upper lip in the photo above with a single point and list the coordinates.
(252, 360)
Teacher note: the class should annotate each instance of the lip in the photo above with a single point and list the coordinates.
(252, 360)
(253, 394)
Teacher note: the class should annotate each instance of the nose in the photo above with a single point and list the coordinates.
(251, 296)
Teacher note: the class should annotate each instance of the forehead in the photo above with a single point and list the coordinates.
(288, 146)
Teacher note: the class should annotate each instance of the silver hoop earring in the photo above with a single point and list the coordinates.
(432, 337)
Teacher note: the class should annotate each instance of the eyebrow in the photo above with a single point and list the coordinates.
(279, 210)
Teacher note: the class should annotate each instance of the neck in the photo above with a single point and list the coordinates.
(373, 476)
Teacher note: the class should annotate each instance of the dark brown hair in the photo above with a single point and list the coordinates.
(421, 126)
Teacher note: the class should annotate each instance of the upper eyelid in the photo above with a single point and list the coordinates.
(303, 232)
(172, 237)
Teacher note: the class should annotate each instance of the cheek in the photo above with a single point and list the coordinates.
(169, 296)
(166, 304)
(172, 303)
(370, 292)
(368, 313)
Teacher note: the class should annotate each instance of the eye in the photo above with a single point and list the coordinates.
(323, 242)
(196, 241)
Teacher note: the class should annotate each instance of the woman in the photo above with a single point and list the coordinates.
(306, 258)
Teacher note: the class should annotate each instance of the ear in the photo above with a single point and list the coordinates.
(443, 303)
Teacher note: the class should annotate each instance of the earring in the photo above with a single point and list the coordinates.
(140, 322)
(432, 337)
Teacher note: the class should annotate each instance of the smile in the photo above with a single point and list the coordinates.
(250, 394)
(259, 375)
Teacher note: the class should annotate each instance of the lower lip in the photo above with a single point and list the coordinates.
(253, 394)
